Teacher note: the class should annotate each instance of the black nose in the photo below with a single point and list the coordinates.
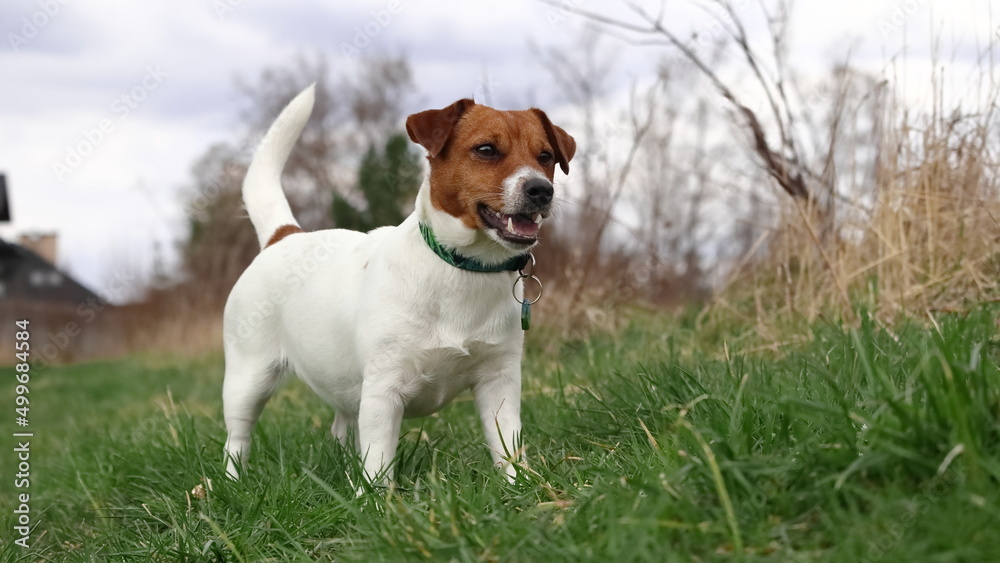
(539, 191)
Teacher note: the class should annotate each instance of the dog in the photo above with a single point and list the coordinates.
(396, 322)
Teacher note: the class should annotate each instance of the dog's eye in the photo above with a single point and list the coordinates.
(545, 158)
(487, 150)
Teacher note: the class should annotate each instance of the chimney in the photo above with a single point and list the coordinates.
(42, 244)
(4, 206)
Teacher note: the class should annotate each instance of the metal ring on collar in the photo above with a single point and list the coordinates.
(521, 279)
(531, 271)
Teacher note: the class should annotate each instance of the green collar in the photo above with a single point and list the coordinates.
(466, 263)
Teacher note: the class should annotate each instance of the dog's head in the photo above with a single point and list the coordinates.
(492, 170)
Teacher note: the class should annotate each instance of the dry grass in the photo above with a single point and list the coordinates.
(925, 237)
(177, 321)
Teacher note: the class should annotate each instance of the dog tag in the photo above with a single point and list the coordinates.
(525, 315)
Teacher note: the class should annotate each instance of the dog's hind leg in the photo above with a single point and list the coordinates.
(249, 383)
(343, 425)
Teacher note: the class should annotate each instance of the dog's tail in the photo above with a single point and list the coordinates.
(262, 194)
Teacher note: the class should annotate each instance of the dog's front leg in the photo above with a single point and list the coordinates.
(379, 418)
(498, 400)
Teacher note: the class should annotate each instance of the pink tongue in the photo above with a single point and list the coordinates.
(524, 226)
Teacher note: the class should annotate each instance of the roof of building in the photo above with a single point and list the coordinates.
(26, 276)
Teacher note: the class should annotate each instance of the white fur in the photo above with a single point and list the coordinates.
(262, 194)
(512, 187)
(376, 324)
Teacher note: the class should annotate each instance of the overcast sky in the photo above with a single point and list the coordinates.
(143, 89)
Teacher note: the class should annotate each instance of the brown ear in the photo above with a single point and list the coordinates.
(562, 142)
(431, 129)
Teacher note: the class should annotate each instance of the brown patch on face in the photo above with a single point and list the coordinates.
(282, 232)
(462, 178)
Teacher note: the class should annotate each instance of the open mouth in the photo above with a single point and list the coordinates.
(521, 228)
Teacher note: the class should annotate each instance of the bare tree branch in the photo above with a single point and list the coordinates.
(779, 166)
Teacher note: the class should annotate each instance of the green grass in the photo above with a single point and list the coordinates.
(858, 446)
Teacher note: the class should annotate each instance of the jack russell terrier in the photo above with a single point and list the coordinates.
(396, 322)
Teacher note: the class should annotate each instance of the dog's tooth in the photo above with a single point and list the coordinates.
(538, 218)
(510, 223)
